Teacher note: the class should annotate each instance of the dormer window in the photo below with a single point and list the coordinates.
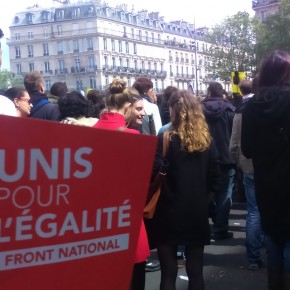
(44, 16)
(16, 19)
(29, 17)
(76, 13)
(91, 11)
(59, 14)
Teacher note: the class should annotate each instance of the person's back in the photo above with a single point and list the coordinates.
(219, 114)
(42, 108)
(266, 139)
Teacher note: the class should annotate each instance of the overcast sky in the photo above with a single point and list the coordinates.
(204, 12)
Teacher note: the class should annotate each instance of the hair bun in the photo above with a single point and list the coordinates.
(117, 86)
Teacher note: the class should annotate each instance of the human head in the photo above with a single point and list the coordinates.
(143, 85)
(34, 81)
(188, 121)
(245, 87)
(168, 91)
(7, 107)
(58, 89)
(135, 111)
(73, 104)
(275, 70)
(118, 97)
(96, 100)
(21, 100)
(215, 90)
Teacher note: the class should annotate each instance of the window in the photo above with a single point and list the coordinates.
(31, 66)
(61, 65)
(135, 48)
(121, 62)
(17, 52)
(44, 16)
(46, 67)
(120, 46)
(59, 30)
(76, 45)
(124, 30)
(59, 47)
(146, 36)
(47, 85)
(45, 32)
(29, 35)
(114, 62)
(17, 36)
(59, 14)
(132, 33)
(127, 62)
(91, 61)
(152, 36)
(159, 38)
(90, 43)
(78, 64)
(93, 83)
(18, 69)
(135, 64)
(29, 17)
(45, 49)
(76, 13)
(105, 44)
(30, 50)
(127, 47)
(140, 34)
(113, 44)
(106, 60)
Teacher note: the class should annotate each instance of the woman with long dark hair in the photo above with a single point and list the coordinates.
(266, 139)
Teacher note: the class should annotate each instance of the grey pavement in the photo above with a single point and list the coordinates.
(225, 263)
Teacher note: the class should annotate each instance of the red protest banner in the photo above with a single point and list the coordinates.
(71, 203)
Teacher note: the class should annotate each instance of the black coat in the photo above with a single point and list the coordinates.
(219, 114)
(181, 216)
(42, 108)
(266, 139)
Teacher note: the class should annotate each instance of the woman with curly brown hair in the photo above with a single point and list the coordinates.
(181, 216)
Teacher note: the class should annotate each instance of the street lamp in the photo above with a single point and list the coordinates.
(195, 65)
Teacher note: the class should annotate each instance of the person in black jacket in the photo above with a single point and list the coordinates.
(219, 114)
(265, 138)
(42, 108)
(181, 216)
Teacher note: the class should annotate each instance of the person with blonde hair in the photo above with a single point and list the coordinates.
(181, 215)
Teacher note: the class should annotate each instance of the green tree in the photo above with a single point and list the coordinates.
(8, 80)
(233, 45)
(274, 32)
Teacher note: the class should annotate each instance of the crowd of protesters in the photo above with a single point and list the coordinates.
(210, 139)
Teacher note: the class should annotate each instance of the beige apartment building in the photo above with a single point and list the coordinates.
(264, 8)
(88, 44)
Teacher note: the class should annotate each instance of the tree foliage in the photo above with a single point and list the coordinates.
(274, 32)
(233, 45)
(8, 80)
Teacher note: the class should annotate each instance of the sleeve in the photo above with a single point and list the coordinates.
(246, 133)
(235, 141)
(214, 173)
(157, 118)
(158, 156)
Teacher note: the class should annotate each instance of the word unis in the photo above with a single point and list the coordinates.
(34, 160)
(49, 225)
(63, 252)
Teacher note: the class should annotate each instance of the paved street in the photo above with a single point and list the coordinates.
(225, 266)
